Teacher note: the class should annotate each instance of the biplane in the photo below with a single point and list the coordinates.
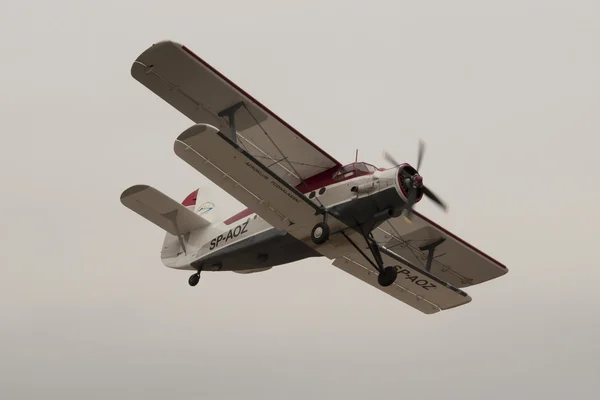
(301, 202)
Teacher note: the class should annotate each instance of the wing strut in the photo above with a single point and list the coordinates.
(387, 275)
(362, 253)
(430, 250)
(229, 112)
(282, 155)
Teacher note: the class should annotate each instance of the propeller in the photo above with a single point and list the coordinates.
(414, 182)
(421, 152)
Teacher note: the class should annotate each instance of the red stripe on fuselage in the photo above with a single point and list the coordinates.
(238, 216)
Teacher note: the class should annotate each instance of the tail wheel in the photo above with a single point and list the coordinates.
(320, 233)
(194, 279)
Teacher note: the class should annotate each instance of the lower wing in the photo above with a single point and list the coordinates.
(413, 286)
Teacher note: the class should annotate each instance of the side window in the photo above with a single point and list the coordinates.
(361, 167)
(343, 172)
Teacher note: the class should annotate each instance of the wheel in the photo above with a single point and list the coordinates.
(320, 233)
(194, 279)
(388, 276)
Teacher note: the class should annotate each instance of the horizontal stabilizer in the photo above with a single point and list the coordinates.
(162, 210)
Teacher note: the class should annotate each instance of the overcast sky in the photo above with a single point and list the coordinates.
(507, 97)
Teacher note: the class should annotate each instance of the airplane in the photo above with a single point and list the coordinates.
(301, 202)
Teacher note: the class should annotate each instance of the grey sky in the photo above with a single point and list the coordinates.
(506, 96)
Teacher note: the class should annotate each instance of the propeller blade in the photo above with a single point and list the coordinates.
(433, 197)
(421, 152)
(388, 157)
(412, 197)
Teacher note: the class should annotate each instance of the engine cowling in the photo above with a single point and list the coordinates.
(406, 173)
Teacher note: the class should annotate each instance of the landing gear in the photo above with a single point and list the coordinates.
(387, 276)
(320, 233)
(194, 279)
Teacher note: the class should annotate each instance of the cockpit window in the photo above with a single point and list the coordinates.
(352, 169)
(344, 172)
(362, 167)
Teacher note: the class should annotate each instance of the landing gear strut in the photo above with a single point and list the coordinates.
(320, 232)
(194, 279)
(387, 275)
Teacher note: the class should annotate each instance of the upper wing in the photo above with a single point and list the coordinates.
(200, 92)
(161, 210)
(455, 262)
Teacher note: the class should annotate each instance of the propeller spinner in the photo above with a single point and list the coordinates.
(413, 182)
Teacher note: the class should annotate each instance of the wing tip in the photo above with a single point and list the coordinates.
(142, 59)
(135, 189)
(192, 132)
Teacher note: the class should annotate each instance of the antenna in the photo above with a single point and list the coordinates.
(356, 159)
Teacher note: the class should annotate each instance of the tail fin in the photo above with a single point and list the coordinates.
(191, 202)
(166, 213)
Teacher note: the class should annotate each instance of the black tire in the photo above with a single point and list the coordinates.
(194, 279)
(320, 233)
(388, 276)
